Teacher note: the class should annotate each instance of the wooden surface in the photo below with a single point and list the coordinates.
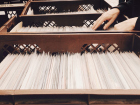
(26, 8)
(9, 24)
(3, 29)
(68, 42)
(72, 92)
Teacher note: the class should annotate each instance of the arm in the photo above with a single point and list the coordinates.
(125, 8)
(130, 24)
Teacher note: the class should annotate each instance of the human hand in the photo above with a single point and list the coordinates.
(127, 25)
(110, 15)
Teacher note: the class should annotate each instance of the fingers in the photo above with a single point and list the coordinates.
(109, 15)
(96, 23)
(109, 23)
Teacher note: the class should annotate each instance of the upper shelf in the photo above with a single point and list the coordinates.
(49, 7)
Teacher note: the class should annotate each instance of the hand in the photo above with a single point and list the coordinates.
(110, 15)
(127, 25)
